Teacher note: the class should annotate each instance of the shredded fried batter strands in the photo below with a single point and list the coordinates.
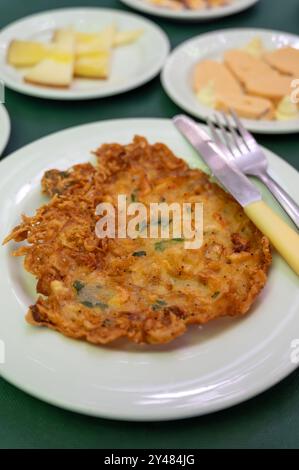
(146, 290)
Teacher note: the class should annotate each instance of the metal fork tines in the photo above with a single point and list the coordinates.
(240, 147)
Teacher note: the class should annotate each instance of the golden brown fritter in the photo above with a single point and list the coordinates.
(147, 290)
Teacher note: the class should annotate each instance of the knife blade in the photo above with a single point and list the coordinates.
(226, 173)
(282, 236)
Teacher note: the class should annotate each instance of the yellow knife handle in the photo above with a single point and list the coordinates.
(280, 234)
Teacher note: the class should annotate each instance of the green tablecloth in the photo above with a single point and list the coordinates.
(270, 420)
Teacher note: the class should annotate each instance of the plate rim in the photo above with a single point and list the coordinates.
(191, 15)
(4, 117)
(69, 95)
(255, 126)
(174, 413)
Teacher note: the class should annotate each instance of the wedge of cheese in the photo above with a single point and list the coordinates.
(108, 38)
(91, 42)
(26, 53)
(285, 60)
(249, 107)
(123, 38)
(57, 68)
(93, 65)
(212, 73)
(65, 38)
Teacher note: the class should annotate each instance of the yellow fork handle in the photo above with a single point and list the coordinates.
(280, 234)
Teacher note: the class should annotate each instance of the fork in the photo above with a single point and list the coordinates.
(241, 148)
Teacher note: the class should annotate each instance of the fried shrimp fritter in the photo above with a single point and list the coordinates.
(145, 289)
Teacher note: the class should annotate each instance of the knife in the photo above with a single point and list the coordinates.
(280, 234)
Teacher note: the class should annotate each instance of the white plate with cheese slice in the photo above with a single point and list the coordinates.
(131, 63)
(175, 11)
(179, 69)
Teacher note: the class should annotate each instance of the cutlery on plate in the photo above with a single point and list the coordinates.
(281, 235)
(239, 146)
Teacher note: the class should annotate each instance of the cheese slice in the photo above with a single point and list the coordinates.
(56, 69)
(106, 39)
(26, 53)
(285, 60)
(249, 107)
(91, 42)
(212, 73)
(123, 38)
(51, 72)
(93, 65)
(93, 53)
(65, 39)
(87, 42)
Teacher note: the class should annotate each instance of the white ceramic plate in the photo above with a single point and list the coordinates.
(177, 72)
(132, 65)
(187, 15)
(4, 128)
(209, 368)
